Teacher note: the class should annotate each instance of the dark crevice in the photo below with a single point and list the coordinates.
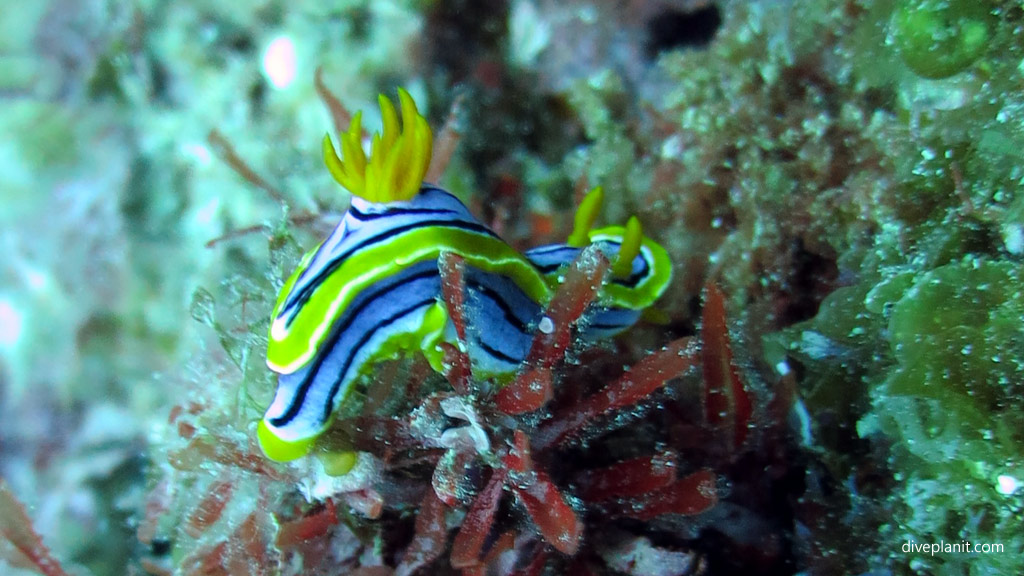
(675, 29)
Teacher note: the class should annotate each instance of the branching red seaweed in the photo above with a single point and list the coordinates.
(557, 526)
(727, 404)
(20, 545)
(520, 472)
(529, 474)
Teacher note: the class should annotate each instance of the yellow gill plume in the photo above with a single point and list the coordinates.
(398, 158)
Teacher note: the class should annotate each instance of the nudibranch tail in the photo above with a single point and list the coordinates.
(277, 448)
(399, 157)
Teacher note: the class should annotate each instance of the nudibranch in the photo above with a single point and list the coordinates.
(372, 289)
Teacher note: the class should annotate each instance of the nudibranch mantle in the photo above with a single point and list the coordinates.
(373, 242)
(372, 289)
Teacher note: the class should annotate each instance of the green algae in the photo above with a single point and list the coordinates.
(910, 186)
(939, 38)
(957, 336)
(612, 159)
(927, 363)
(954, 402)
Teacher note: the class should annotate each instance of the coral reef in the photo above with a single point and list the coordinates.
(837, 184)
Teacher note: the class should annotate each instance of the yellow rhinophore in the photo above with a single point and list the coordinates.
(398, 159)
(629, 249)
(586, 214)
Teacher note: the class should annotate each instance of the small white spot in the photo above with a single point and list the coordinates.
(528, 34)
(782, 368)
(1007, 485)
(278, 330)
(11, 324)
(208, 211)
(546, 325)
(197, 152)
(36, 279)
(279, 62)
(1013, 237)
(672, 147)
(817, 345)
(474, 434)
(801, 421)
